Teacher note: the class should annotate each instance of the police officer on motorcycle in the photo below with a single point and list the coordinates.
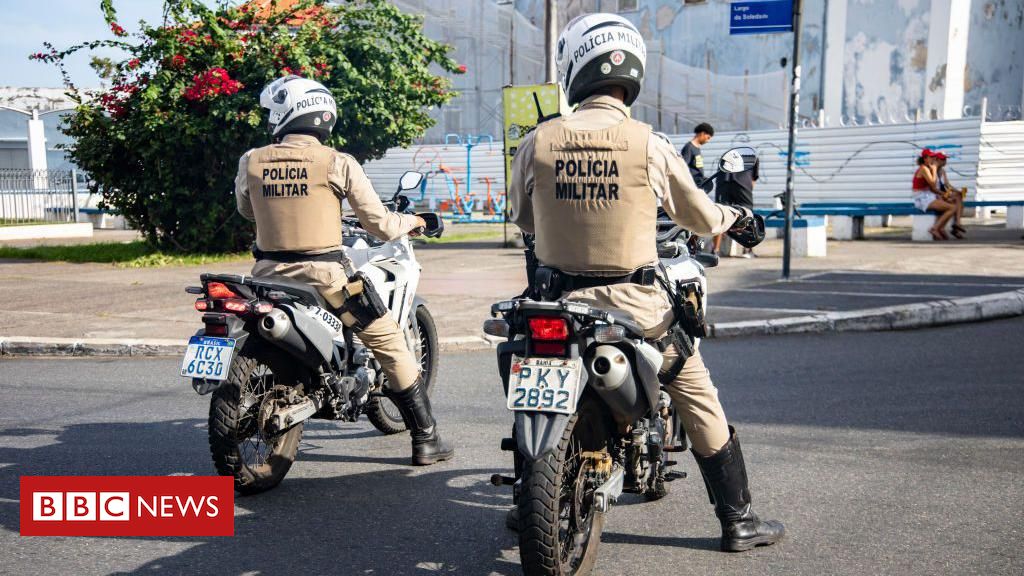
(293, 190)
(587, 186)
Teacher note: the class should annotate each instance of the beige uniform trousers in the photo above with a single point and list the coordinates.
(383, 337)
(693, 394)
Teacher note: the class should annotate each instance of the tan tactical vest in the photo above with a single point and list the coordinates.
(295, 208)
(594, 210)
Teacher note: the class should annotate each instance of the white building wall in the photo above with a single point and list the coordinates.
(852, 163)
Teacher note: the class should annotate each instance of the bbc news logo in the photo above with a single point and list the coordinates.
(127, 506)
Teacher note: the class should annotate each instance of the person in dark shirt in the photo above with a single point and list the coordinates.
(738, 190)
(691, 154)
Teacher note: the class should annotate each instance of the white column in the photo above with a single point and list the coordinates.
(832, 66)
(947, 59)
(36, 143)
(37, 150)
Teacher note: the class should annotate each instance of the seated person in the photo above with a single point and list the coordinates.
(951, 195)
(926, 194)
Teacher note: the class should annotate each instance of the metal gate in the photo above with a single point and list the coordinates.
(31, 196)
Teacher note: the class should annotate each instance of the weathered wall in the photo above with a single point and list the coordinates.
(886, 57)
(995, 57)
(886, 53)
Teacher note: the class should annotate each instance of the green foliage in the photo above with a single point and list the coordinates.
(162, 142)
(122, 254)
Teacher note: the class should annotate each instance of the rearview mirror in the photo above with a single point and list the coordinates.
(410, 180)
(738, 160)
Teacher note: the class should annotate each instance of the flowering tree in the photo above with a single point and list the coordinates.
(162, 142)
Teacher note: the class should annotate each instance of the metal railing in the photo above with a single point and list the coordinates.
(28, 196)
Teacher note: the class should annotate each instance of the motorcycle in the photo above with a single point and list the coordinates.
(274, 354)
(591, 416)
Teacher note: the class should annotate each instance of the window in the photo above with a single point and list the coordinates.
(628, 5)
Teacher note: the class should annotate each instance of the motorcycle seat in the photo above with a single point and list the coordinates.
(304, 292)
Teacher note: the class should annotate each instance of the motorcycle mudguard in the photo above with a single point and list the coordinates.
(416, 303)
(538, 433)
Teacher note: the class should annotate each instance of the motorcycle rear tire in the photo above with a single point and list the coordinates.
(382, 412)
(541, 505)
(227, 416)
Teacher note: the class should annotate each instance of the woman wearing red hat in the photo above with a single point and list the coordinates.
(927, 194)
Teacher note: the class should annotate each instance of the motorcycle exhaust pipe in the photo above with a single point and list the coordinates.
(276, 327)
(614, 382)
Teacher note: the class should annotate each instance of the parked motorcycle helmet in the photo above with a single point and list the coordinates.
(597, 50)
(298, 104)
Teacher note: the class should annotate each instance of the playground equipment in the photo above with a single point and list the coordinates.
(462, 204)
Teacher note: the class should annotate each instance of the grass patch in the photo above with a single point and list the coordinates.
(25, 222)
(122, 254)
(466, 237)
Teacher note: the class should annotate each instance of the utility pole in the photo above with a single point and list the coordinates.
(512, 47)
(550, 38)
(794, 113)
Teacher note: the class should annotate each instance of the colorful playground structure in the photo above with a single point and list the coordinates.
(462, 204)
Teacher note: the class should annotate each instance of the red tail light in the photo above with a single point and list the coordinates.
(548, 328)
(218, 290)
(202, 305)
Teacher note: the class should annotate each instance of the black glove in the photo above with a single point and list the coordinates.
(748, 230)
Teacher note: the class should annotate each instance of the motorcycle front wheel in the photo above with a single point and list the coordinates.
(238, 445)
(559, 530)
(421, 334)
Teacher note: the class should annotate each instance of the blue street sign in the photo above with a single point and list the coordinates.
(761, 17)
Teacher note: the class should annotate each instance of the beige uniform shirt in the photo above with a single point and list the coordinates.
(687, 205)
(348, 181)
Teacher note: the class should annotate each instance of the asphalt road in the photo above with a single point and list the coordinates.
(846, 290)
(884, 453)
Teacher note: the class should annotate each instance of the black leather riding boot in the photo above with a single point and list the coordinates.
(725, 476)
(427, 445)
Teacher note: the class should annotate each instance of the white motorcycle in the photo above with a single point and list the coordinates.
(274, 354)
(592, 419)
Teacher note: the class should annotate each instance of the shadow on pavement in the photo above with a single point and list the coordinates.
(390, 522)
(959, 380)
(664, 541)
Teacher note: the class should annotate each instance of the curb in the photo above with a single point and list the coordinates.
(30, 346)
(901, 317)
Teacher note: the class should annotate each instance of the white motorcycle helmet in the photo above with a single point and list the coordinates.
(298, 104)
(597, 50)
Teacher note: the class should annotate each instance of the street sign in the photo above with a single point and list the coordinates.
(761, 17)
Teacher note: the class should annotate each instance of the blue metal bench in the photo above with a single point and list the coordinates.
(848, 217)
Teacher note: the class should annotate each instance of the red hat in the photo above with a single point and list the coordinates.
(940, 155)
(927, 153)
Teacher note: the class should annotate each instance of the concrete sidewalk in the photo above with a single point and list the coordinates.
(461, 281)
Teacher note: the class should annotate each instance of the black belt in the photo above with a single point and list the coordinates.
(289, 256)
(644, 276)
